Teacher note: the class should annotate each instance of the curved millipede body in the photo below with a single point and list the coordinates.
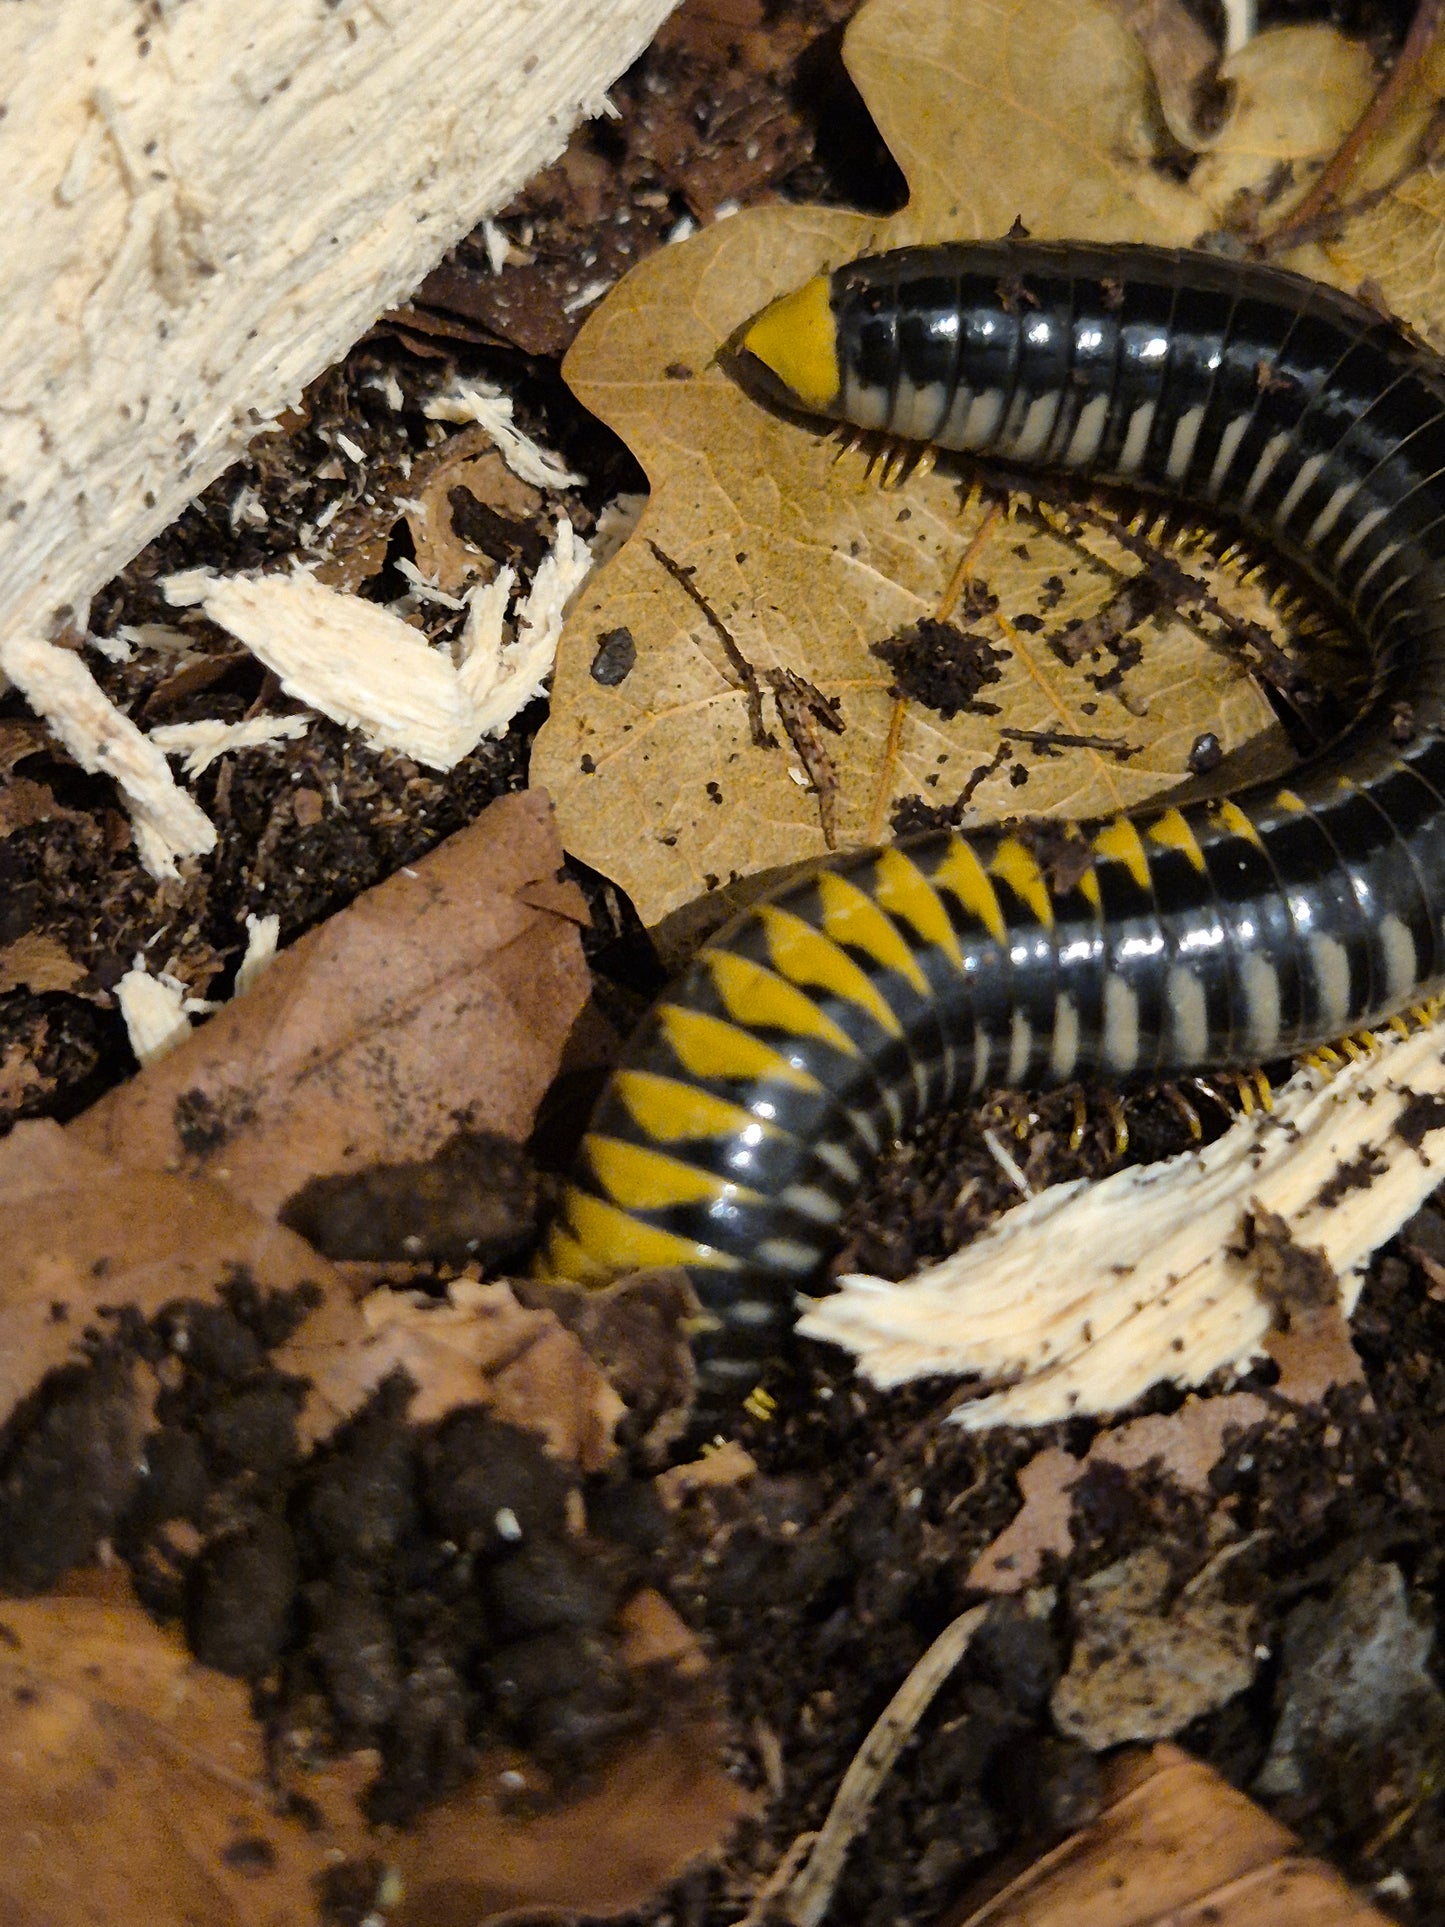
(823, 1022)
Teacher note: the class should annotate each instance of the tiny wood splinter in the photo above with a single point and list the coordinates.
(825, 1021)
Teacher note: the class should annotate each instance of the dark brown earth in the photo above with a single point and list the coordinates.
(346, 1587)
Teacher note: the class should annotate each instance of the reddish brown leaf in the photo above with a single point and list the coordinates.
(444, 994)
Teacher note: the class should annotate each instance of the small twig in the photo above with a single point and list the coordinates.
(1003, 754)
(963, 574)
(1189, 597)
(763, 1908)
(883, 789)
(802, 710)
(811, 1893)
(746, 674)
(1327, 187)
(1047, 739)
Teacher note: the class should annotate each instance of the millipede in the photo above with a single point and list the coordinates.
(830, 1017)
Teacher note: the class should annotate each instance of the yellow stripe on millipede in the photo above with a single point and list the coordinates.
(1017, 866)
(755, 995)
(708, 1046)
(1172, 832)
(1237, 823)
(806, 956)
(669, 1110)
(963, 875)
(640, 1179)
(620, 1243)
(1118, 842)
(563, 1257)
(904, 891)
(851, 916)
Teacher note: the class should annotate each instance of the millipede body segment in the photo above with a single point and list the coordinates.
(825, 1021)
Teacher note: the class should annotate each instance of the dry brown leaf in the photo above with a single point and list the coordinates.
(39, 962)
(997, 109)
(444, 994)
(20, 1079)
(1315, 1355)
(23, 802)
(1185, 1446)
(480, 1347)
(83, 1232)
(468, 461)
(112, 1733)
(133, 1790)
(1175, 1846)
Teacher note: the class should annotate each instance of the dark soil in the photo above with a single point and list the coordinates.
(421, 1590)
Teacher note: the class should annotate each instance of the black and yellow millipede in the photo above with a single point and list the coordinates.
(827, 1020)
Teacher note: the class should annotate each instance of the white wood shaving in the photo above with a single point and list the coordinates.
(490, 408)
(425, 587)
(154, 1013)
(589, 292)
(246, 506)
(501, 681)
(188, 588)
(261, 936)
(113, 648)
(201, 743)
(367, 669)
(498, 246)
(1240, 24)
(1086, 1295)
(388, 387)
(156, 635)
(218, 200)
(59, 687)
(615, 524)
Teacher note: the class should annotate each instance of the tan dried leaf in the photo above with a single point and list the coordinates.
(39, 962)
(1174, 1844)
(1396, 249)
(1296, 94)
(477, 1347)
(444, 994)
(83, 1231)
(469, 461)
(1383, 237)
(134, 1789)
(681, 779)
